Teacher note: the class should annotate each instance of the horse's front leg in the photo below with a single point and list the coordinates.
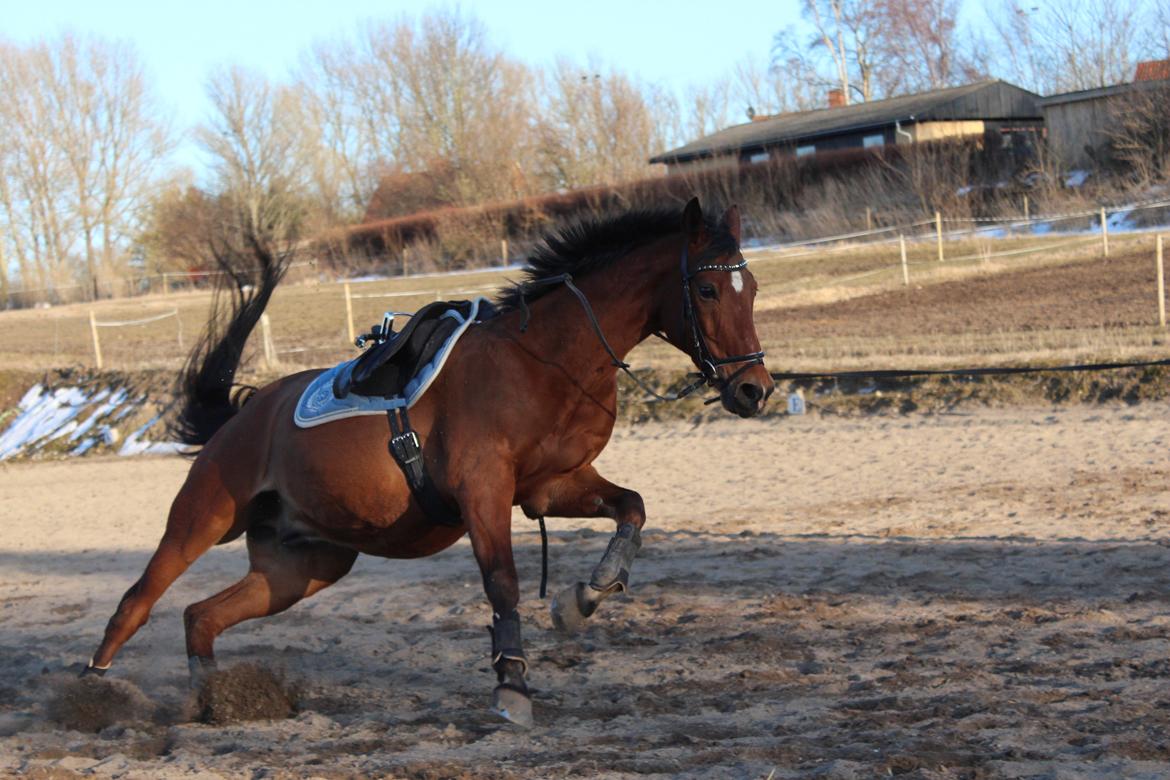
(490, 526)
(587, 494)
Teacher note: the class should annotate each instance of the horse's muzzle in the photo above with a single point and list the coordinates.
(748, 396)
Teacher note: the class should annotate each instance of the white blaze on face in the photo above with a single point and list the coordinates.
(737, 281)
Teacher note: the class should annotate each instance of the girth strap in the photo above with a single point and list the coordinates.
(405, 448)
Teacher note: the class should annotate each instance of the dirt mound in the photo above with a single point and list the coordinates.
(92, 703)
(245, 692)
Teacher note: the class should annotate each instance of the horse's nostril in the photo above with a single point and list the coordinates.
(751, 392)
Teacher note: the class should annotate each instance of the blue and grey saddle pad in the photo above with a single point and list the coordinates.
(318, 404)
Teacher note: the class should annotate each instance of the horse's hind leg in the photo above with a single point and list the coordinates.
(280, 576)
(203, 514)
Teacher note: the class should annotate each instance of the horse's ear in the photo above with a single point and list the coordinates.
(693, 222)
(731, 222)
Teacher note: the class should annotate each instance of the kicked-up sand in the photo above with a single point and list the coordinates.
(977, 594)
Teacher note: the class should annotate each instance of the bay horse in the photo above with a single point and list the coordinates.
(516, 417)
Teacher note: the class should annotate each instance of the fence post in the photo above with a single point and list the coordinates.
(1027, 211)
(1104, 234)
(269, 348)
(938, 233)
(97, 346)
(166, 284)
(503, 251)
(868, 218)
(1161, 283)
(406, 261)
(905, 267)
(349, 314)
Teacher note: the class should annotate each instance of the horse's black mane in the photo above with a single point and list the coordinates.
(592, 244)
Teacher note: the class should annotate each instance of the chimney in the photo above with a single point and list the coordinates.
(1152, 70)
(836, 98)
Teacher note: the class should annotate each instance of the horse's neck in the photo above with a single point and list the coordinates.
(624, 299)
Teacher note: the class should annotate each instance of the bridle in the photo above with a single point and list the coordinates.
(708, 363)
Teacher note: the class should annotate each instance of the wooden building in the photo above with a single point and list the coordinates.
(1079, 123)
(994, 113)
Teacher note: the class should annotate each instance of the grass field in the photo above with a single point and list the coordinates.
(1003, 300)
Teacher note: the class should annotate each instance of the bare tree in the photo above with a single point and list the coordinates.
(85, 139)
(920, 39)
(597, 127)
(114, 138)
(759, 88)
(413, 96)
(1021, 56)
(1161, 27)
(837, 48)
(340, 140)
(39, 225)
(706, 107)
(1074, 44)
(1139, 134)
(251, 140)
(460, 102)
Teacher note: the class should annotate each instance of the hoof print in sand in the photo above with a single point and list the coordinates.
(245, 692)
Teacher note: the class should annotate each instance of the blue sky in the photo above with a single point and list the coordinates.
(673, 43)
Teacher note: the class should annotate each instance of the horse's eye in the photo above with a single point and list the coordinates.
(707, 292)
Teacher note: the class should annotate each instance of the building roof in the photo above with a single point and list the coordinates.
(981, 100)
(1102, 92)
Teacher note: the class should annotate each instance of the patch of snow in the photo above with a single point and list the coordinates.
(30, 397)
(84, 447)
(102, 410)
(1076, 178)
(42, 414)
(86, 418)
(134, 445)
(1119, 221)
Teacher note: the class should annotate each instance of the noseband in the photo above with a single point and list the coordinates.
(708, 363)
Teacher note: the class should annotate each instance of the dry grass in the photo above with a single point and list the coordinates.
(818, 308)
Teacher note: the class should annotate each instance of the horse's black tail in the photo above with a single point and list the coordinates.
(205, 390)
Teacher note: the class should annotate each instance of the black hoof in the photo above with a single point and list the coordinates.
(93, 671)
(570, 609)
(512, 705)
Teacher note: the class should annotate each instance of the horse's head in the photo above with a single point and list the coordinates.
(711, 319)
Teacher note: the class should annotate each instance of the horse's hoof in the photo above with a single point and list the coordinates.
(93, 671)
(512, 705)
(567, 615)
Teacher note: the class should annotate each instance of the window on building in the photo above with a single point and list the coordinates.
(873, 141)
(758, 157)
(806, 151)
